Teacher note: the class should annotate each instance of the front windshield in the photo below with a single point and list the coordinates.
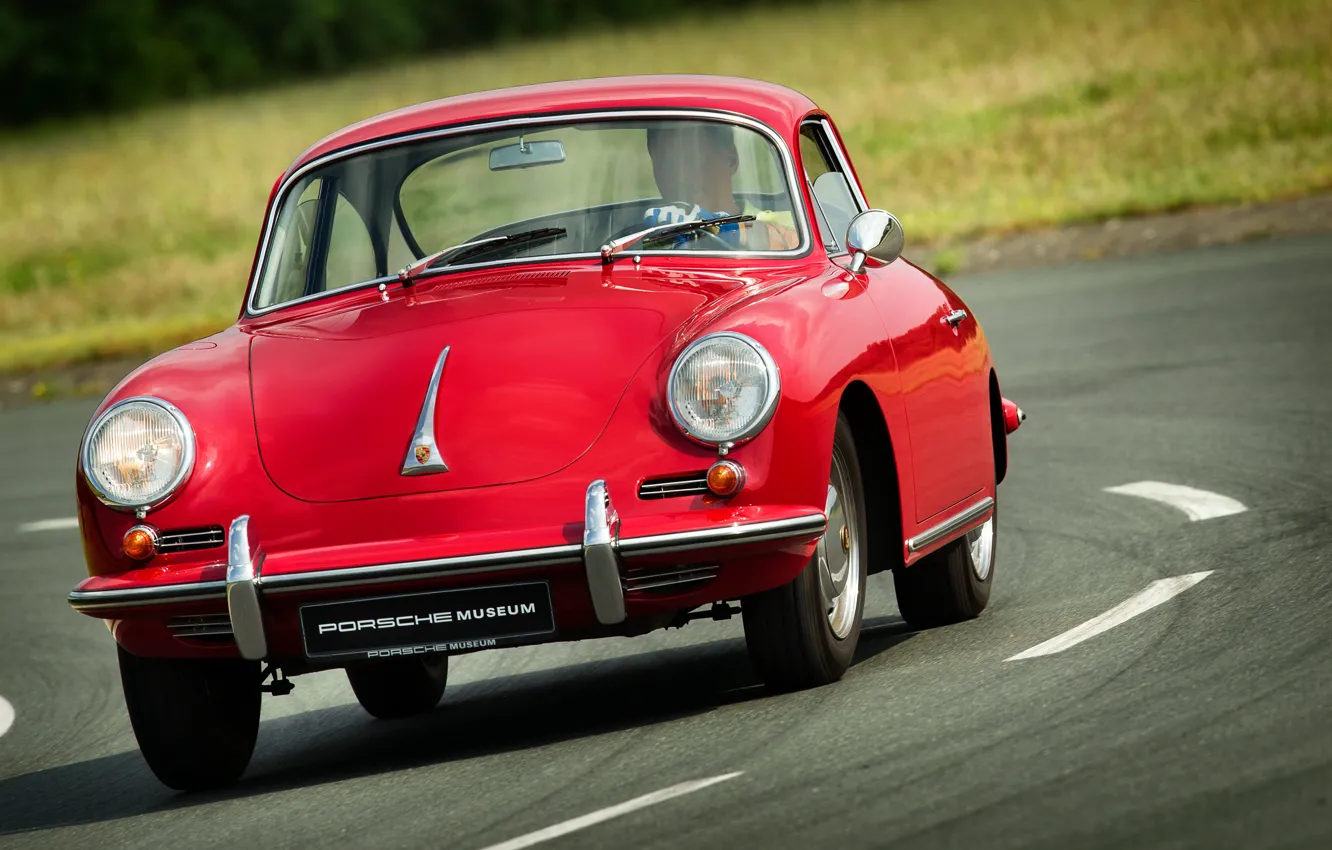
(367, 216)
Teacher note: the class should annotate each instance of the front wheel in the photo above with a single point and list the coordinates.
(951, 584)
(804, 633)
(196, 720)
(399, 687)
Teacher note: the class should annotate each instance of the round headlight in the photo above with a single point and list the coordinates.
(138, 452)
(723, 388)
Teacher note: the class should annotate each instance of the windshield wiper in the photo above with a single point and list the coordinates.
(665, 231)
(455, 253)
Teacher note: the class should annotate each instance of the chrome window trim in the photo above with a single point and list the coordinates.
(183, 474)
(517, 559)
(800, 213)
(950, 526)
(844, 162)
(770, 400)
(843, 165)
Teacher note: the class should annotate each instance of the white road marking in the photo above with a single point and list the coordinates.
(1156, 593)
(1198, 504)
(50, 524)
(6, 716)
(611, 812)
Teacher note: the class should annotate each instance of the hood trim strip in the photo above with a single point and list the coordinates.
(423, 456)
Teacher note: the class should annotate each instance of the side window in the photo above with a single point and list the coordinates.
(351, 254)
(832, 193)
(350, 251)
(293, 240)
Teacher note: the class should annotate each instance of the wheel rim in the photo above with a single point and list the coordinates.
(839, 553)
(980, 542)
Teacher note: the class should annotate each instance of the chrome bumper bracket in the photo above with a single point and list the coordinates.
(244, 562)
(601, 537)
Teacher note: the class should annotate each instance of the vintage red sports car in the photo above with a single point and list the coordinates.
(543, 364)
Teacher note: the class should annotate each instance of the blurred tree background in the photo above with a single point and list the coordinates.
(139, 138)
(59, 59)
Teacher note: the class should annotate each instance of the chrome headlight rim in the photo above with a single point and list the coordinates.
(770, 399)
(187, 458)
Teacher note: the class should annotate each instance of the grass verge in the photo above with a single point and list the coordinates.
(131, 234)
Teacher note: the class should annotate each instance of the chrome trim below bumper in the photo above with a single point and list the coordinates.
(950, 526)
(810, 525)
(130, 597)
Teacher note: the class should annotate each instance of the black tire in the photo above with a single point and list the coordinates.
(399, 687)
(196, 720)
(945, 586)
(787, 629)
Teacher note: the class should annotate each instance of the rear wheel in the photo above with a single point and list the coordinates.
(399, 687)
(804, 633)
(951, 584)
(196, 720)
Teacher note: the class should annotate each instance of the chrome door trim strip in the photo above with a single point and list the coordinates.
(163, 594)
(809, 525)
(950, 526)
(773, 136)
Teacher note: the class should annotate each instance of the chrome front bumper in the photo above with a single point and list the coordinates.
(600, 554)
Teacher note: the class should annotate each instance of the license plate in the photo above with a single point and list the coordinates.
(420, 623)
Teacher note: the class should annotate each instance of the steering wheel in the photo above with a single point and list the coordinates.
(697, 235)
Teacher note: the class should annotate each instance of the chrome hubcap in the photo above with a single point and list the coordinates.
(839, 555)
(980, 541)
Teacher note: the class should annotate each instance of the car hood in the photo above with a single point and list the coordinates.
(537, 363)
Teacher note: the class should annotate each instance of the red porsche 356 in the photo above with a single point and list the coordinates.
(542, 364)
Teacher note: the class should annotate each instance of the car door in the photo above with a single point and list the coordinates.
(940, 358)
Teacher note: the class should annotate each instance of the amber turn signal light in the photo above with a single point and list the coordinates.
(141, 542)
(726, 478)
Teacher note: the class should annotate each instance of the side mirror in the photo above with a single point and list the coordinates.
(874, 233)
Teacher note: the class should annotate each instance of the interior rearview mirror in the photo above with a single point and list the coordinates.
(526, 154)
(874, 233)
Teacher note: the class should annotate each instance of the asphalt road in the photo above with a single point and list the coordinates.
(1203, 722)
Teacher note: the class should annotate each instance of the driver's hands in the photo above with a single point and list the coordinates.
(680, 213)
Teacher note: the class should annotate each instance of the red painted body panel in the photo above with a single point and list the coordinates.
(556, 377)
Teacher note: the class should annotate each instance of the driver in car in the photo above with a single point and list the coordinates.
(694, 167)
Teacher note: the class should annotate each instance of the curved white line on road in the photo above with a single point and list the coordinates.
(6, 716)
(1156, 593)
(1198, 504)
(615, 811)
(50, 524)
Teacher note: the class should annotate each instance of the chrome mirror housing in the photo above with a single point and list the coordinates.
(874, 233)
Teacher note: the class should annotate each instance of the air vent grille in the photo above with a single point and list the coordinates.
(189, 539)
(670, 579)
(210, 627)
(691, 484)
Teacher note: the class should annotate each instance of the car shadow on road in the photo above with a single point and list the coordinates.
(495, 715)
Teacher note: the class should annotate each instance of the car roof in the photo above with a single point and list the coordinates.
(769, 103)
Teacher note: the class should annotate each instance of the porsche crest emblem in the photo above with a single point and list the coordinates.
(422, 454)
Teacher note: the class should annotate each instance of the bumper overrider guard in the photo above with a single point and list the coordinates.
(600, 553)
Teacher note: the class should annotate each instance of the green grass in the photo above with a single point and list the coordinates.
(131, 234)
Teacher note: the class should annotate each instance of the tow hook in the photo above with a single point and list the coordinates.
(1013, 416)
(280, 686)
(718, 611)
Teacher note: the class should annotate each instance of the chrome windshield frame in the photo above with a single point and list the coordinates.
(800, 213)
